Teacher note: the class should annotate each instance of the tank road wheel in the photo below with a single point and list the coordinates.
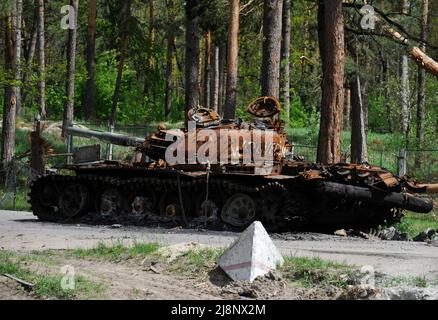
(208, 208)
(73, 200)
(239, 210)
(112, 202)
(270, 204)
(143, 203)
(170, 206)
(43, 200)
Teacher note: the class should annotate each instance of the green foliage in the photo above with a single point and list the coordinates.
(117, 251)
(5, 6)
(311, 272)
(7, 200)
(418, 281)
(47, 286)
(197, 261)
(299, 117)
(414, 223)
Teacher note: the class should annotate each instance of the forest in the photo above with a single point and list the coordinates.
(357, 80)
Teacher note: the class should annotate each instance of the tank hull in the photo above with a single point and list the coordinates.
(302, 196)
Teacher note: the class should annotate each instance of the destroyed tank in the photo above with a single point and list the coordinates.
(218, 171)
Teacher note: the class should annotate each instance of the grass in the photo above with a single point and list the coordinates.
(47, 286)
(198, 261)
(136, 291)
(418, 281)
(195, 263)
(310, 272)
(306, 136)
(117, 252)
(7, 200)
(45, 257)
(414, 223)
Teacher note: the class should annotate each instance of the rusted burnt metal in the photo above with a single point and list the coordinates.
(388, 179)
(243, 132)
(204, 116)
(285, 192)
(264, 107)
(415, 187)
(87, 154)
(431, 188)
(399, 200)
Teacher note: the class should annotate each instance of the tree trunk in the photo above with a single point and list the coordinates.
(358, 133)
(41, 59)
(424, 61)
(214, 97)
(270, 76)
(123, 49)
(37, 151)
(207, 66)
(169, 71)
(191, 57)
(151, 21)
(169, 60)
(9, 104)
(16, 18)
(222, 77)
(91, 60)
(405, 90)
(151, 60)
(232, 61)
(304, 60)
(365, 103)
(29, 56)
(385, 77)
(421, 98)
(305, 43)
(347, 108)
(30, 46)
(404, 94)
(285, 58)
(331, 44)
(71, 66)
(417, 55)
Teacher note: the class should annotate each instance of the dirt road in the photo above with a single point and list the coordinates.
(22, 231)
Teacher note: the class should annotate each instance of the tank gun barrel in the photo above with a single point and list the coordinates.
(430, 188)
(113, 138)
(398, 200)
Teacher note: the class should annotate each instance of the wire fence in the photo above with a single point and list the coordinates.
(14, 191)
(420, 164)
(423, 165)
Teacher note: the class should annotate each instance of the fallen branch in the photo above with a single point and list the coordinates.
(430, 188)
(421, 58)
(25, 284)
(424, 61)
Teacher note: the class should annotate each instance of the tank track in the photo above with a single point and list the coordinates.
(157, 200)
